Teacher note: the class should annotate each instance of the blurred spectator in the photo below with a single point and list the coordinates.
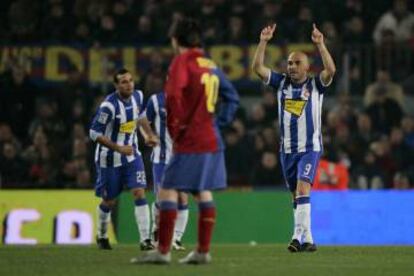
(56, 25)
(75, 91)
(361, 138)
(390, 89)
(355, 32)
(106, 32)
(23, 19)
(407, 125)
(401, 153)
(270, 105)
(384, 160)
(236, 158)
(304, 24)
(13, 170)
(271, 142)
(369, 175)
(331, 176)
(42, 161)
(47, 119)
(257, 118)
(399, 20)
(7, 136)
(236, 31)
(384, 112)
(401, 181)
(16, 99)
(267, 173)
(145, 32)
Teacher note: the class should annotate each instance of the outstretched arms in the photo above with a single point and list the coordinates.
(258, 60)
(329, 66)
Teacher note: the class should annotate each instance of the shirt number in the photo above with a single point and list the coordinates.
(211, 87)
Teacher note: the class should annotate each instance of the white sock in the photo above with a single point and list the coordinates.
(142, 217)
(302, 223)
(307, 233)
(103, 221)
(294, 223)
(155, 213)
(180, 224)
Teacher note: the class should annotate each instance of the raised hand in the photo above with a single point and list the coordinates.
(267, 32)
(317, 36)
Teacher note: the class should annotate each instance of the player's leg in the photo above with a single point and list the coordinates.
(289, 169)
(182, 219)
(168, 199)
(104, 219)
(206, 222)
(294, 245)
(168, 213)
(108, 188)
(212, 177)
(307, 167)
(157, 173)
(142, 218)
(134, 177)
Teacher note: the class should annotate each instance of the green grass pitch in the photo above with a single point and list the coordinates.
(227, 260)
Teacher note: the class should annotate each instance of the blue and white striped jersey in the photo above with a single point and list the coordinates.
(117, 119)
(300, 109)
(157, 114)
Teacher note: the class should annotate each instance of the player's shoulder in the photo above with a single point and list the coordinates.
(110, 101)
(138, 93)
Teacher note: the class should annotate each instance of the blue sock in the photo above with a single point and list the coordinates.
(104, 208)
(140, 202)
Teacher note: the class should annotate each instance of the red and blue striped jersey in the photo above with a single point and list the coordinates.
(194, 86)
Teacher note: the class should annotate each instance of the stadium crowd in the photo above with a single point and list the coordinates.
(369, 138)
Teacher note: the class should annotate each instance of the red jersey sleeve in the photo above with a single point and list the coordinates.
(177, 80)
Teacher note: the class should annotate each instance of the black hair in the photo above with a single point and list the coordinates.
(119, 72)
(187, 31)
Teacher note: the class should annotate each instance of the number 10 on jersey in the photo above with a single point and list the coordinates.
(211, 87)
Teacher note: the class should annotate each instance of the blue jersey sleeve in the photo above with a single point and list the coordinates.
(275, 79)
(319, 85)
(102, 118)
(230, 100)
(150, 109)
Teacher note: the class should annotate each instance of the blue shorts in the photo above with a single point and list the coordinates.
(299, 166)
(157, 174)
(194, 173)
(111, 180)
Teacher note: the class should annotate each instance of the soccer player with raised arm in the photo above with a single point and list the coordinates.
(194, 84)
(118, 160)
(300, 106)
(156, 113)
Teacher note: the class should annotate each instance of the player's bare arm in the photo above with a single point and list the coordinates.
(151, 139)
(328, 63)
(258, 59)
(105, 141)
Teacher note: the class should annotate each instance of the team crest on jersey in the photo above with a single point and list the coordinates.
(305, 94)
(128, 127)
(295, 107)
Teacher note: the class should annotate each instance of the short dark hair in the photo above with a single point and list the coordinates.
(187, 31)
(119, 72)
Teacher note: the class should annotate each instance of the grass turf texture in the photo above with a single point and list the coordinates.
(227, 260)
